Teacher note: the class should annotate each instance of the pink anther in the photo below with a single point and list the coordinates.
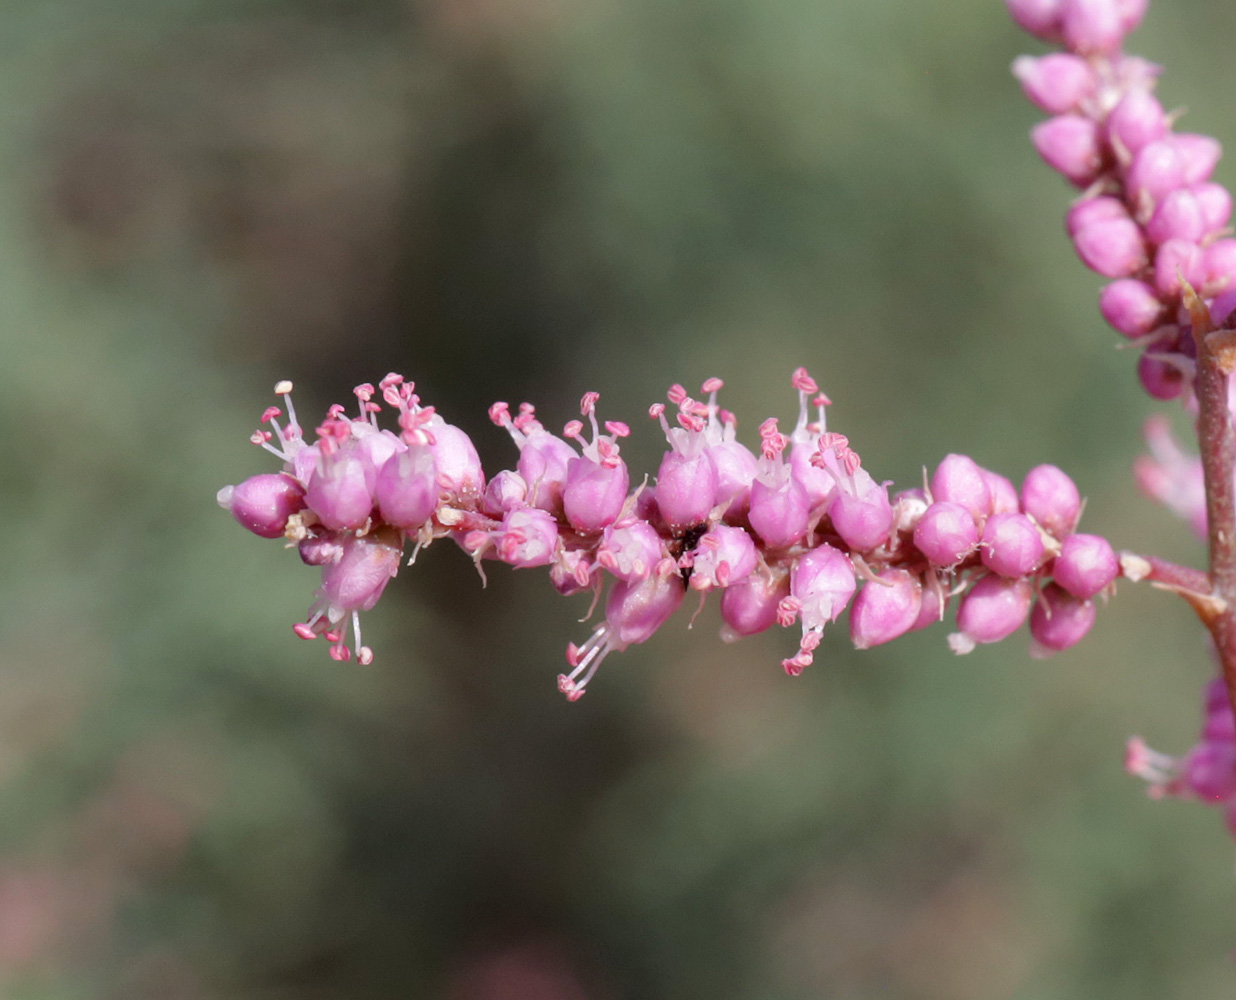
(690, 421)
(787, 611)
(618, 428)
(803, 382)
(831, 439)
(303, 631)
(364, 656)
(340, 653)
(500, 414)
(850, 461)
(334, 635)
(572, 657)
(655, 410)
(821, 400)
(727, 418)
(269, 414)
(711, 385)
(259, 437)
(363, 392)
(676, 394)
(588, 403)
(335, 411)
(392, 379)
(573, 429)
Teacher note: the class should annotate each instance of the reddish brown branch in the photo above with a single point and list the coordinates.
(1217, 445)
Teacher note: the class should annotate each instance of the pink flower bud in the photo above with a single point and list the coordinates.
(594, 493)
(779, 513)
(1218, 266)
(959, 479)
(455, 458)
(946, 534)
(1174, 260)
(1056, 83)
(1011, 545)
(407, 488)
(1092, 26)
(264, 503)
(543, 461)
(630, 550)
(1136, 120)
(1132, 307)
(1039, 17)
(686, 489)
(821, 585)
(735, 465)
(1051, 498)
(993, 609)
(1215, 203)
(1178, 216)
(1160, 377)
(1004, 499)
(506, 491)
(1089, 211)
(1059, 620)
(750, 606)
(529, 537)
(860, 512)
(1070, 145)
(1085, 566)
(1156, 169)
(1113, 248)
(357, 580)
(340, 490)
(633, 612)
(1198, 155)
(885, 608)
(723, 556)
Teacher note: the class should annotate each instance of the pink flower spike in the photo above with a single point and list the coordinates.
(1085, 566)
(1059, 620)
(886, 608)
(993, 609)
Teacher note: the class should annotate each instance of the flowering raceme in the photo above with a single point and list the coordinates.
(786, 538)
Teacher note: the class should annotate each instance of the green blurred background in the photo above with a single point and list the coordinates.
(524, 199)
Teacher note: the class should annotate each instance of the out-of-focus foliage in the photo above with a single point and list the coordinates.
(526, 199)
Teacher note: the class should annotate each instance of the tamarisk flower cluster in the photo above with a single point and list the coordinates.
(1151, 219)
(792, 536)
(1149, 215)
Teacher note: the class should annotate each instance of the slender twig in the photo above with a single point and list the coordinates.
(1217, 445)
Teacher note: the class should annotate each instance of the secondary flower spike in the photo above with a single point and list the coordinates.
(792, 538)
